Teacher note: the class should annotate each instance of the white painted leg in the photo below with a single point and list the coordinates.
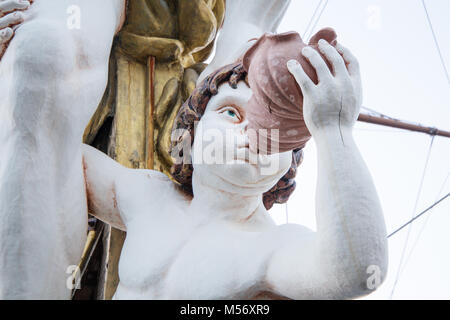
(51, 81)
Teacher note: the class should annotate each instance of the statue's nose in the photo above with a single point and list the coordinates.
(242, 140)
(244, 128)
(246, 141)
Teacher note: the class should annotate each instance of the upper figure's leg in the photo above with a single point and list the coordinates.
(244, 20)
(52, 77)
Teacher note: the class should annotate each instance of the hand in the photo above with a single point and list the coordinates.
(10, 16)
(336, 99)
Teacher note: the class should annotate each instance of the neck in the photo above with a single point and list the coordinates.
(213, 202)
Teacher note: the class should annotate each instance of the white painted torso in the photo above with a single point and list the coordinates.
(203, 259)
(192, 264)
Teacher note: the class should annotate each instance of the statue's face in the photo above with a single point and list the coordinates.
(221, 155)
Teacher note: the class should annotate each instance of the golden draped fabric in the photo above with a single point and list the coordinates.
(181, 30)
(178, 35)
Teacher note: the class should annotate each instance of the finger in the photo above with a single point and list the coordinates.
(296, 69)
(334, 58)
(323, 73)
(2, 50)
(11, 19)
(7, 6)
(350, 60)
(6, 35)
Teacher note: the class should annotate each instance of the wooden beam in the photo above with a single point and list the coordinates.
(150, 125)
(399, 124)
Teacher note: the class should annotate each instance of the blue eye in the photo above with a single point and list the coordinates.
(228, 111)
(231, 113)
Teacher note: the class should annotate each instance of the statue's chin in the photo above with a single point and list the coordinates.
(237, 176)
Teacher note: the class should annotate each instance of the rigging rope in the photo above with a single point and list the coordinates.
(420, 214)
(419, 192)
(311, 20)
(436, 41)
(376, 113)
(381, 130)
(287, 213)
(425, 222)
(317, 19)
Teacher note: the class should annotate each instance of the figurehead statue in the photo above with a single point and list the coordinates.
(191, 228)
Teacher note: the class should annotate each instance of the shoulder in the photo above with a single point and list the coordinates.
(284, 242)
(141, 190)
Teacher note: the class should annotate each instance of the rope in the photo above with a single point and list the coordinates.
(381, 130)
(425, 222)
(317, 19)
(311, 20)
(420, 214)
(85, 264)
(376, 113)
(436, 41)
(414, 210)
(287, 213)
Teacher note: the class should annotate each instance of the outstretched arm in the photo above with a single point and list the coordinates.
(100, 175)
(347, 257)
(116, 194)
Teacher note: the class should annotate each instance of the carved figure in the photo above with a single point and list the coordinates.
(208, 235)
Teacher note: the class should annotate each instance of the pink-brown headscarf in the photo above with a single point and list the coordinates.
(277, 101)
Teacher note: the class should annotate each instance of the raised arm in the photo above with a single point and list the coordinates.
(116, 194)
(347, 256)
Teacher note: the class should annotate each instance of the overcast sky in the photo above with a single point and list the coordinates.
(404, 78)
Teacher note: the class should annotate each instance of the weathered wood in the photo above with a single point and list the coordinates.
(399, 124)
(103, 269)
(150, 127)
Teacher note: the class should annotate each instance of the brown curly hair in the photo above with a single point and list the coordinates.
(192, 110)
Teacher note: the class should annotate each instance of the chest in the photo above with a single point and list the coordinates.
(179, 259)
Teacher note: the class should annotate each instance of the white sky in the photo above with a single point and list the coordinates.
(402, 77)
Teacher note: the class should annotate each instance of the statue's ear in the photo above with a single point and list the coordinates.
(327, 34)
